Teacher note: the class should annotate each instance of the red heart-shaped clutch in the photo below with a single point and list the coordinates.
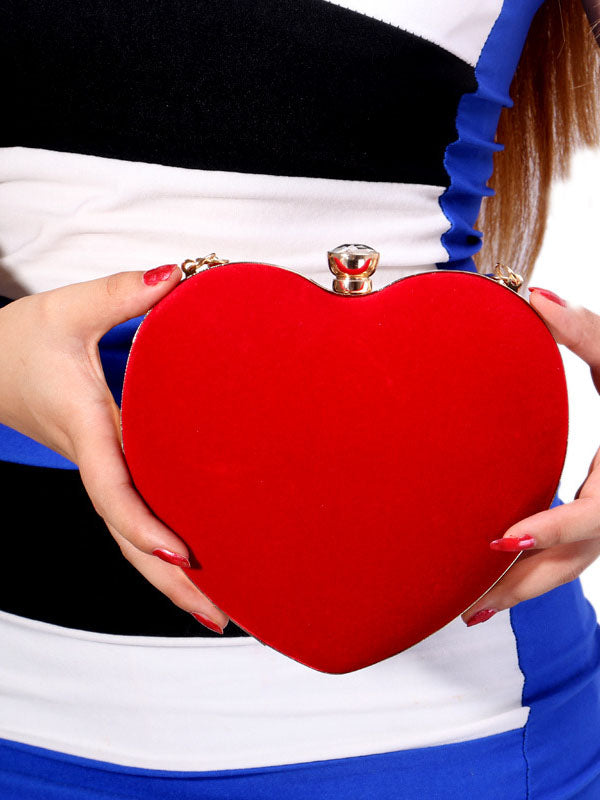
(338, 465)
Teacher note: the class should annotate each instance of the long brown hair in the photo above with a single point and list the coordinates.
(556, 94)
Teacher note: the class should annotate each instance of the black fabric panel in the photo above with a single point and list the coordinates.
(281, 87)
(61, 565)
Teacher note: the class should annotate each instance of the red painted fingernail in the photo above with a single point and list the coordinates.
(207, 622)
(550, 295)
(482, 616)
(512, 544)
(158, 274)
(170, 557)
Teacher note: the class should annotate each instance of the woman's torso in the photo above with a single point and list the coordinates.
(139, 134)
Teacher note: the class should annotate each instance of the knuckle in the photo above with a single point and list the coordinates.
(128, 551)
(556, 536)
(184, 598)
(591, 322)
(136, 534)
(517, 596)
(125, 550)
(570, 573)
(585, 333)
(594, 551)
(518, 592)
(91, 491)
(97, 508)
(591, 509)
(112, 285)
(596, 524)
(579, 339)
(179, 601)
(44, 305)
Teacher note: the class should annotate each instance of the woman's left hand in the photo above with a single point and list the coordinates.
(561, 542)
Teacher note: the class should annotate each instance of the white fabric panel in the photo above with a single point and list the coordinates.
(459, 26)
(67, 217)
(210, 703)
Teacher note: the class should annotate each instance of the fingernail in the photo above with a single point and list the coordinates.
(158, 274)
(170, 557)
(207, 622)
(482, 616)
(511, 544)
(550, 295)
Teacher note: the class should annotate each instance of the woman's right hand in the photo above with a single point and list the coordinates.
(53, 389)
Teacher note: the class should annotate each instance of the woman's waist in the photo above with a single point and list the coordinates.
(70, 218)
(211, 703)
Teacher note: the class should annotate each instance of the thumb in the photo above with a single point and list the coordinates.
(576, 327)
(94, 307)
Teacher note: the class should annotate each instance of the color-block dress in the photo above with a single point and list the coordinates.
(143, 133)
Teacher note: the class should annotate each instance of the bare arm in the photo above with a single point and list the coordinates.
(53, 389)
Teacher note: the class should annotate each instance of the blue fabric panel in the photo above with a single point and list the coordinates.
(20, 449)
(469, 160)
(558, 642)
(491, 767)
(114, 350)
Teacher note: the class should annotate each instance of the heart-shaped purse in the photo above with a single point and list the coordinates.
(338, 461)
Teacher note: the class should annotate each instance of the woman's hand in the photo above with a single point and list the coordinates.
(52, 388)
(561, 542)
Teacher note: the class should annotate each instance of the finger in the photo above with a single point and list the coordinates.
(571, 522)
(107, 481)
(534, 574)
(93, 307)
(576, 327)
(172, 582)
(590, 486)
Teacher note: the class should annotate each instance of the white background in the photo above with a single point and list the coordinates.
(569, 264)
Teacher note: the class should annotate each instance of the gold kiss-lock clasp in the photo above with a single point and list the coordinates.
(506, 276)
(352, 265)
(191, 266)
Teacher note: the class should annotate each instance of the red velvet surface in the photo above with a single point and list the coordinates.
(338, 465)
